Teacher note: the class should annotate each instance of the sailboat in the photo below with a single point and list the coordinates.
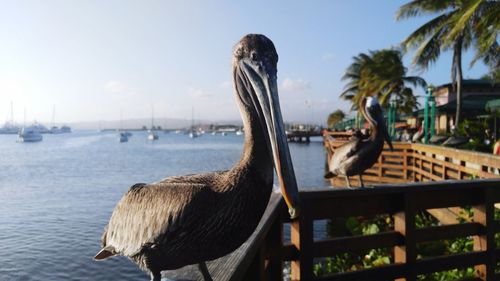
(122, 136)
(152, 135)
(193, 133)
(10, 127)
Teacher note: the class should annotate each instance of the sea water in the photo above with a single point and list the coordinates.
(57, 195)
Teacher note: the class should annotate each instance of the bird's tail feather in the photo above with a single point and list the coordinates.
(105, 252)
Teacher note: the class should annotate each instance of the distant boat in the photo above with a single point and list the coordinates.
(223, 133)
(30, 134)
(9, 128)
(54, 129)
(239, 132)
(65, 129)
(41, 128)
(152, 135)
(193, 134)
(122, 137)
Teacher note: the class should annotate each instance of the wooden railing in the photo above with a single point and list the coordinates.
(403, 202)
(411, 162)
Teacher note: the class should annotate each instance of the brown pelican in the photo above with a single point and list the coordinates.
(195, 218)
(354, 157)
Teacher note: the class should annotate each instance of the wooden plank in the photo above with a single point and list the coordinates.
(484, 214)
(464, 155)
(404, 222)
(444, 216)
(443, 263)
(448, 231)
(302, 239)
(273, 246)
(329, 247)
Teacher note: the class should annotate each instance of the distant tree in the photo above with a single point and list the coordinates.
(458, 25)
(335, 117)
(144, 128)
(381, 74)
(493, 76)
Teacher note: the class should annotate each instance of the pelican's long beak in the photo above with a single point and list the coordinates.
(383, 127)
(265, 99)
(386, 136)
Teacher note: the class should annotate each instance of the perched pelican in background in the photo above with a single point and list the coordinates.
(354, 157)
(196, 218)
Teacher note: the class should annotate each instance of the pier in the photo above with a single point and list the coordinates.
(302, 136)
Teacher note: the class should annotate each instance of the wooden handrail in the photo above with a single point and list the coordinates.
(403, 202)
(413, 162)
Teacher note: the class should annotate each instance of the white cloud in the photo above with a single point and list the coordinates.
(298, 85)
(328, 56)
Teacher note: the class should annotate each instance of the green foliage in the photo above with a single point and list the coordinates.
(379, 257)
(475, 130)
(335, 117)
(382, 74)
(457, 25)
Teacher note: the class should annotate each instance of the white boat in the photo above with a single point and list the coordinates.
(239, 132)
(122, 137)
(9, 128)
(30, 134)
(65, 129)
(152, 135)
(223, 133)
(193, 134)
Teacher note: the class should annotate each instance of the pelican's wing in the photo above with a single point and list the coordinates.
(356, 145)
(147, 212)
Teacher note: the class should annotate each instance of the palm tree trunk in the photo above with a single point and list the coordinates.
(457, 61)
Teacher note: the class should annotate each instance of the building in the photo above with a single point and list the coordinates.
(475, 94)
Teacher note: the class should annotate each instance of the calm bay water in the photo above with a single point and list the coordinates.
(57, 195)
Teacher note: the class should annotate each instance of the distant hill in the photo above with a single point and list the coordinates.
(165, 123)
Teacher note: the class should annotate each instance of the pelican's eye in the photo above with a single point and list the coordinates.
(253, 55)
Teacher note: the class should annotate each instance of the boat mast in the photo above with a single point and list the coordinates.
(152, 117)
(53, 115)
(12, 113)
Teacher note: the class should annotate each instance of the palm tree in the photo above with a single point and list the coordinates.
(381, 73)
(335, 117)
(459, 25)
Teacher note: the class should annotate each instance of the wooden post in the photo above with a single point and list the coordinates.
(484, 214)
(405, 164)
(404, 222)
(302, 239)
(274, 244)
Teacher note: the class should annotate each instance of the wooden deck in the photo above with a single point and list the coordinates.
(400, 201)
(412, 162)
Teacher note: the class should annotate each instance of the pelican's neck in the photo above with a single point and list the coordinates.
(256, 156)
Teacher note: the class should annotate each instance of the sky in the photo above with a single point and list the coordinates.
(99, 60)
